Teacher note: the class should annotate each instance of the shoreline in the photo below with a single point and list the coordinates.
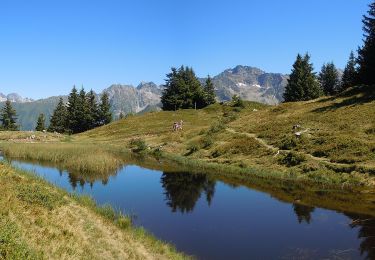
(292, 190)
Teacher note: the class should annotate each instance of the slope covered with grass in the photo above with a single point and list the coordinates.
(328, 138)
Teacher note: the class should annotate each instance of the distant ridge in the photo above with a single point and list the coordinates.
(250, 83)
(14, 97)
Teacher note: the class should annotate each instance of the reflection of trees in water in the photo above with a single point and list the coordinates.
(303, 212)
(77, 178)
(182, 190)
(366, 233)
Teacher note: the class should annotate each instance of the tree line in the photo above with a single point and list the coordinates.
(81, 113)
(304, 84)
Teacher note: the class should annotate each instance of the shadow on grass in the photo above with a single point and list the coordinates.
(354, 96)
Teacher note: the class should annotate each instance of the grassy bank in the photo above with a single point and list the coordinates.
(40, 221)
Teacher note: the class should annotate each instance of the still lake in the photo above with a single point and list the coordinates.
(212, 219)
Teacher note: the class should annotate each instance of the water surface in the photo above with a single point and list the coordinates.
(211, 219)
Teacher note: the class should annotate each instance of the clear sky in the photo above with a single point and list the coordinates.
(46, 46)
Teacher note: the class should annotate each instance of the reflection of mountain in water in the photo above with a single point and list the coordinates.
(303, 212)
(182, 190)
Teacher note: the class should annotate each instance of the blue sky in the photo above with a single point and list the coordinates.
(47, 46)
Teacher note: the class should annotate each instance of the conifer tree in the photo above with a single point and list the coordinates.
(58, 122)
(294, 91)
(72, 111)
(82, 111)
(172, 96)
(209, 92)
(302, 83)
(8, 117)
(92, 112)
(366, 53)
(105, 115)
(41, 123)
(329, 79)
(349, 77)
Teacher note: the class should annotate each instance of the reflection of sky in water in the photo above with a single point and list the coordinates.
(214, 220)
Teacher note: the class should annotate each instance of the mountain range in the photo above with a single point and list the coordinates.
(249, 83)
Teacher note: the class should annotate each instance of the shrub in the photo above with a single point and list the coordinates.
(217, 127)
(370, 131)
(288, 143)
(292, 159)
(216, 154)
(229, 116)
(237, 102)
(193, 148)
(207, 141)
(157, 152)
(139, 145)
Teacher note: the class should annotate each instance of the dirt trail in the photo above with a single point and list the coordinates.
(279, 151)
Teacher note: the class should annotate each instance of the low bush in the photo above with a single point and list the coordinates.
(138, 145)
(207, 141)
(292, 159)
(192, 148)
(288, 143)
(216, 154)
(237, 102)
(217, 127)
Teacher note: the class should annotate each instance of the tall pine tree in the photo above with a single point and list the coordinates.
(366, 53)
(82, 111)
(8, 117)
(349, 77)
(209, 92)
(41, 123)
(92, 113)
(58, 122)
(72, 111)
(302, 83)
(329, 79)
(105, 115)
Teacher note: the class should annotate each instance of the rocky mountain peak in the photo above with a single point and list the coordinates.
(148, 86)
(14, 97)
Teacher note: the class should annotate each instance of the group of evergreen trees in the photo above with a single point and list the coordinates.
(305, 85)
(183, 90)
(81, 113)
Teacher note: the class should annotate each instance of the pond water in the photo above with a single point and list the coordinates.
(211, 219)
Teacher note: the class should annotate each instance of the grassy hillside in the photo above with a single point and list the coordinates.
(335, 135)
